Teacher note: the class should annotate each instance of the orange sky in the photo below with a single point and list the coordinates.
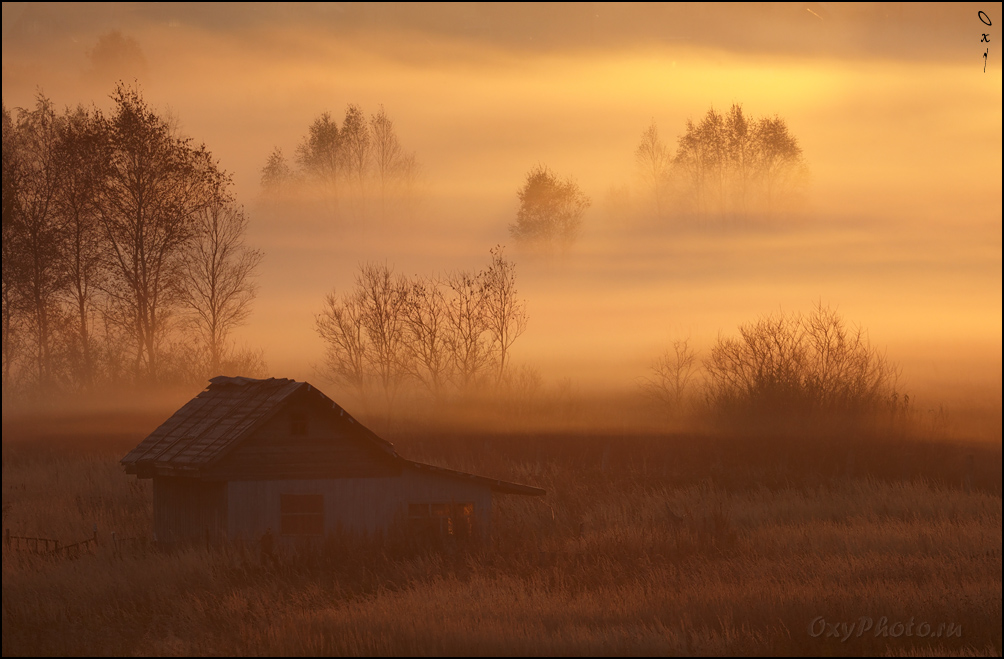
(900, 126)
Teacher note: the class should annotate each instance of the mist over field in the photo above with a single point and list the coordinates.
(651, 329)
(899, 227)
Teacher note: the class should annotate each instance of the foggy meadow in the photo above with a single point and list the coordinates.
(725, 282)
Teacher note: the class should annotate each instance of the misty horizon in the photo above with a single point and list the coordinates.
(899, 229)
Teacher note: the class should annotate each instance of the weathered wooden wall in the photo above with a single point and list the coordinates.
(363, 505)
(186, 509)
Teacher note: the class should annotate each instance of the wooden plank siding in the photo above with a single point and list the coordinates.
(187, 509)
(359, 505)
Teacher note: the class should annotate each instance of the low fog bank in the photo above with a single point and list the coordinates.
(897, 223)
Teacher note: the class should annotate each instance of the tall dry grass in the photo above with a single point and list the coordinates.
(643, 545)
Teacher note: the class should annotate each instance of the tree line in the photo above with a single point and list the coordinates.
(361, 158)
(124, 254)
(449, 333)
(726, 167)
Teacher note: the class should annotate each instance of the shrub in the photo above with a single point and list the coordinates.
(797, 367)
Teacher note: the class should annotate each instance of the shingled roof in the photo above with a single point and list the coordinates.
(206, 428)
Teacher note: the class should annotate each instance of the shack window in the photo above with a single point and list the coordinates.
(298, 423)
(301, 514)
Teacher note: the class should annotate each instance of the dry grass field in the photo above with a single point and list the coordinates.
(645, 544)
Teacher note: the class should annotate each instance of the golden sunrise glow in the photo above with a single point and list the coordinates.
(502, 329)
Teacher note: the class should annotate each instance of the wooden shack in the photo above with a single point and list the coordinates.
(249, 455)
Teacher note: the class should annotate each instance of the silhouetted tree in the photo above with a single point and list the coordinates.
(779, 160)
(733, 165)
(741, 143)
(12, 270)
(362, 152)
(218, 273)
(468, 327)
(355, 137)
(384, 306)
(101, 245)
(156, 185)
(387, 152)
(320, 153)
(792, 366)
(701, 154)
(428, 334)
(672, 373)
(434, 331)
(341, 326)
(84, 153)
(37, 233)
(654, 161)
(505, 313)
(276, 175)
(550, 210)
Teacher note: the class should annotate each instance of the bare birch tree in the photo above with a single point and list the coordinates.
(505, 313)
(218, 271)
(428, 336)
(654, 161)
(340, 325)
(387, 152)
(468, 327)
(384, 302)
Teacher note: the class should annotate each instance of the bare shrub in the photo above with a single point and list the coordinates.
(672, 375)
(796, 367)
